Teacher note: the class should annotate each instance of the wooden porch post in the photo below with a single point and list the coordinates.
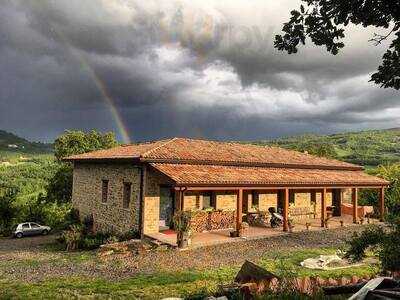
(285, 209)
(182, 198)
(354, 196)
(239, 206)
(323, 207)
(177, 200)
(382, 203)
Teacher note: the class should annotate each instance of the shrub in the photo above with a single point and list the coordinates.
(372, 236)
(72, 237)
(385, 240)
(129, 235)
(57, 216)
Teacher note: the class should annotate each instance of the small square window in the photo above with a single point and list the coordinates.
(127, 194)
(104, 191)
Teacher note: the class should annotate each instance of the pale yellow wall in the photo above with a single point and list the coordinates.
(266, 201)
(302, 199)
(151, 222)
(189, 202)
(226, 201)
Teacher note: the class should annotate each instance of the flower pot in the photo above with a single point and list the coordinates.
(183, 240)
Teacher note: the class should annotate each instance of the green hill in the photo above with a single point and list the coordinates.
(367, 148)
(15, 149)
(13, 143)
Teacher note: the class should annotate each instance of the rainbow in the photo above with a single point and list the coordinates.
(100, 85)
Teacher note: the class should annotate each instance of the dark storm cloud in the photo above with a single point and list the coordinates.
(199, 68)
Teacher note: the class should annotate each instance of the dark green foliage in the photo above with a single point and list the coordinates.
(7, 209)
(385, 240)
(371, 236)
(323, 21)
(78, 142)
(59, 187)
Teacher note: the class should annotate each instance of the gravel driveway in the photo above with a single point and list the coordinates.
(29, 259)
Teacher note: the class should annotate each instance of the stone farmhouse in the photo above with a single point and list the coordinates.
(140, 186)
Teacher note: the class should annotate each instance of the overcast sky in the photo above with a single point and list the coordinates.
(179, 68)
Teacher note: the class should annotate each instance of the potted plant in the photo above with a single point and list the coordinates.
(182, 227)
(244, 228)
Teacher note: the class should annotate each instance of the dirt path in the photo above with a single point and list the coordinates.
(29, 260)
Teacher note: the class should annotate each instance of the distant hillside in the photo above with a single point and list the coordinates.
(10, 142)
(368, 148)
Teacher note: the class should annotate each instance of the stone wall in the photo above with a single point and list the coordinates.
(87, 195)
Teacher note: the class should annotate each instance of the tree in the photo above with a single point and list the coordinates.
(318, 149)
(7, 209)
(78, 142)
(323, 21)
(59, 188)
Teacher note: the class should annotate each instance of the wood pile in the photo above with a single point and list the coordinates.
(212, 220)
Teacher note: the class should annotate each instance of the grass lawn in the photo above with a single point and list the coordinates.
(189, 283)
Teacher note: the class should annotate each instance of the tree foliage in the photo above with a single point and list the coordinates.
(386, 241)
(7, 208)
(324, 22)
(78, 142)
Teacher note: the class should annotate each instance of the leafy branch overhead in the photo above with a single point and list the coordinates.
(324, 22)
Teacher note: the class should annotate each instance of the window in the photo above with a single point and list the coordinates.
(127, 194)
(25, 226)
(208, 200)
(104, 191)
(34, 225)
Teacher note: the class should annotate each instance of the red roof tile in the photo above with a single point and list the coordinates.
(187, 174)
(120, 152)
(211, 152)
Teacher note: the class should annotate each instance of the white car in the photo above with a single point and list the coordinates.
(30, 228)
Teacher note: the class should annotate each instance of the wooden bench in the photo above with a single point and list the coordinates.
(298, 211)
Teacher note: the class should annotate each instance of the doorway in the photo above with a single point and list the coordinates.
(166, 208)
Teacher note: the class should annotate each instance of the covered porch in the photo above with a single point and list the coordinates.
(224, 199)
(203, 239)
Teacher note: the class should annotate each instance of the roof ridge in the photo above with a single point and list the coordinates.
(158, 147)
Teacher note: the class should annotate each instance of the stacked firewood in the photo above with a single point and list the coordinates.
(212, 220)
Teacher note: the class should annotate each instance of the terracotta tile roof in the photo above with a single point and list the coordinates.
(188, 174)
(120, 152)
(211, 152)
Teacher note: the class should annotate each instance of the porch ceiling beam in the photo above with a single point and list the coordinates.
(261, 187)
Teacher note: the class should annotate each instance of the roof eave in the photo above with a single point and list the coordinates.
(250, 164)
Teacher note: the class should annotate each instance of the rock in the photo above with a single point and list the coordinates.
(250, 272)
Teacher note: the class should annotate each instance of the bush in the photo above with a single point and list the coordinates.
(385, 240)
(58, 216)
(129, 235)
(360, 242)
(72, 238)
